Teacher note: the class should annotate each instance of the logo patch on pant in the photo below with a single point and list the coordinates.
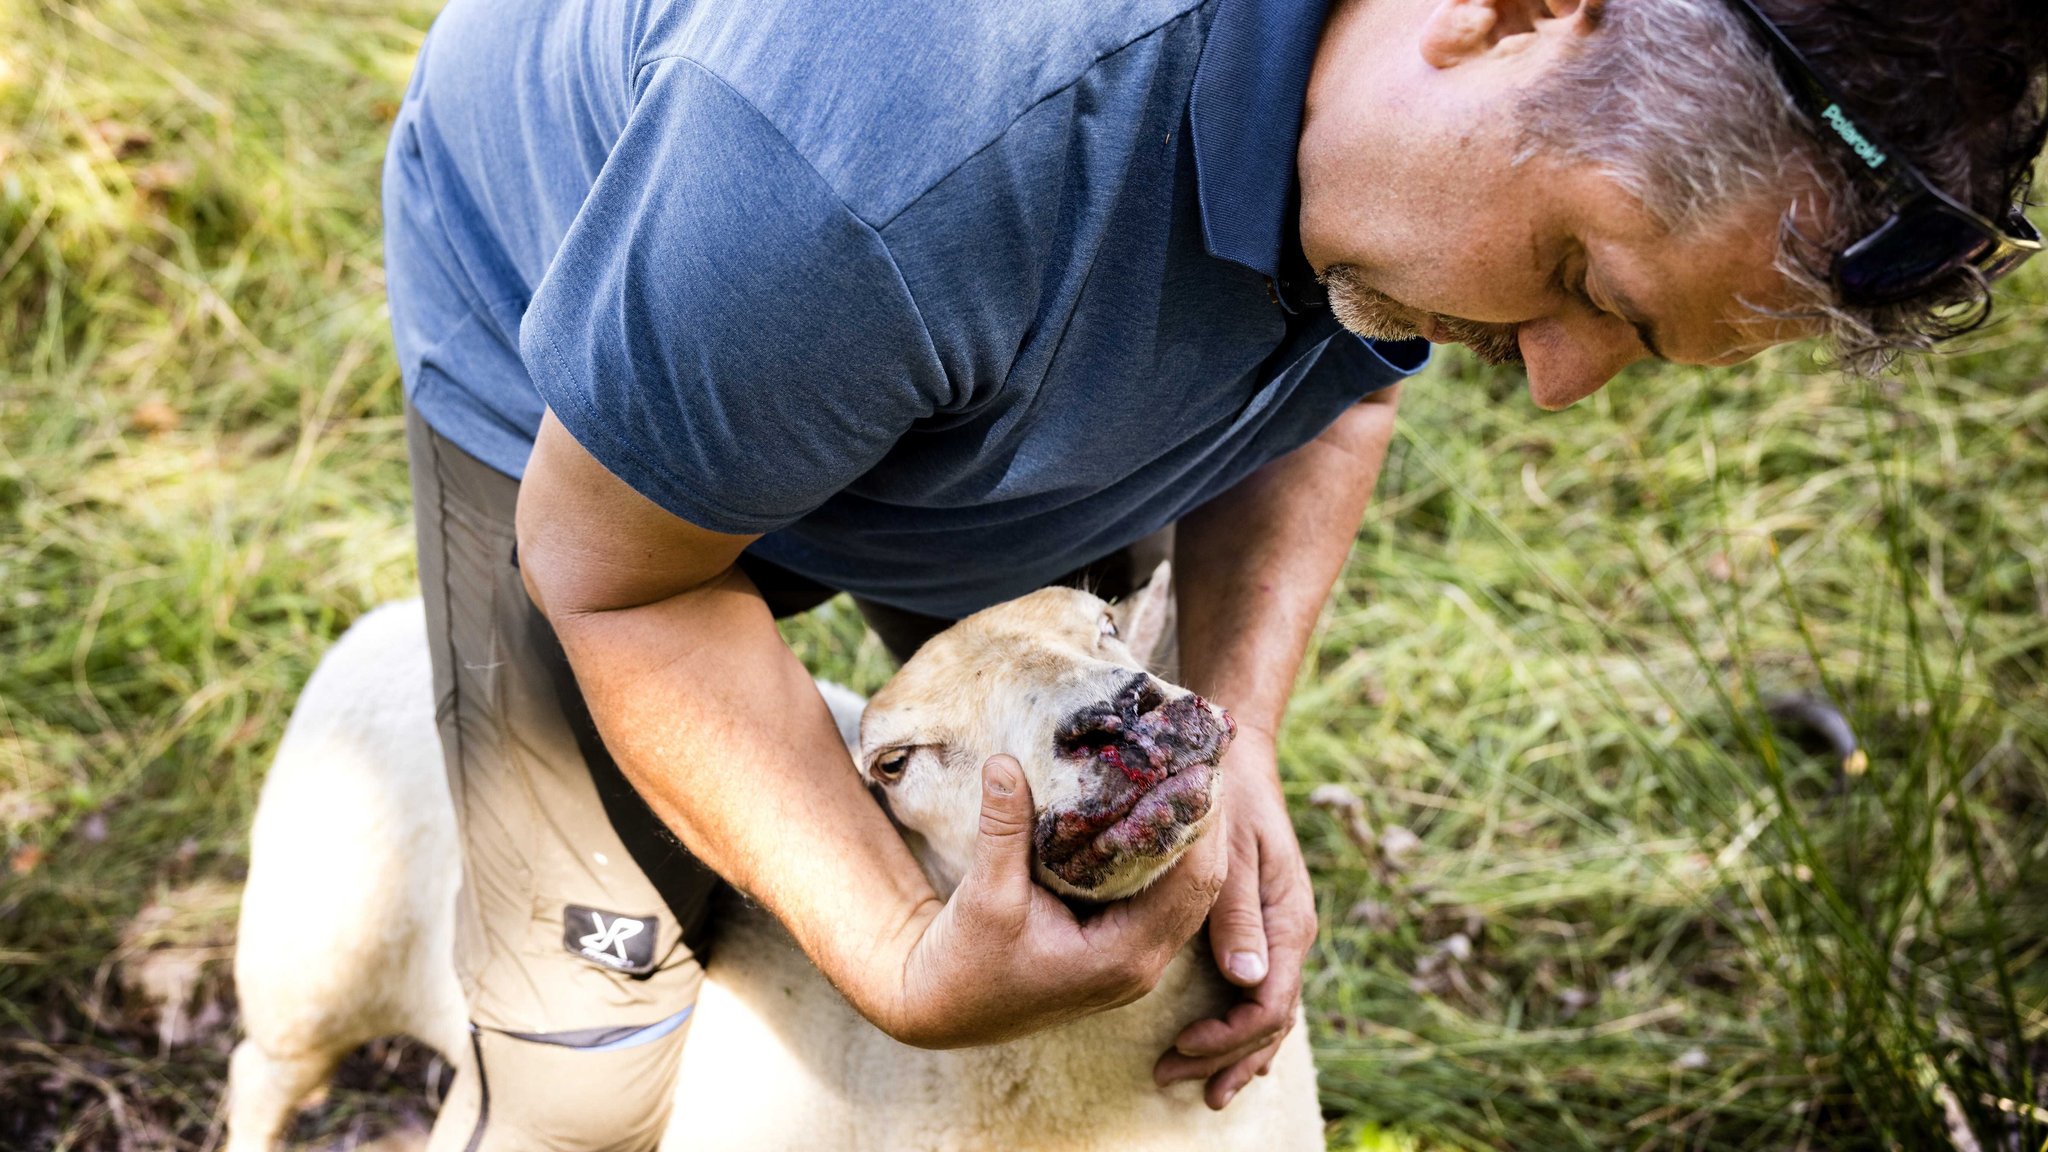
(610, 939)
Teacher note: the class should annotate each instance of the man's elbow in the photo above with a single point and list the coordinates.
(589, 543)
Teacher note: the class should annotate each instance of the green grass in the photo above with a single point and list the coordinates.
(1547, 659)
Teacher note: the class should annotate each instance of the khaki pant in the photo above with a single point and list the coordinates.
(579, 925)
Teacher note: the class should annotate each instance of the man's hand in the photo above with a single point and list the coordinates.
(1005, 957)
(1260, 931)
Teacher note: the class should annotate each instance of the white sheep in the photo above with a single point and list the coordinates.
(347, 926)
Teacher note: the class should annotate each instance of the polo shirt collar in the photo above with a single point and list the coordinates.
(1245, 116)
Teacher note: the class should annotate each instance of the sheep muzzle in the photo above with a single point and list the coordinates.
(1149, 766)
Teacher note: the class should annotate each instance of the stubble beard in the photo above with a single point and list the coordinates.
(1375, 315)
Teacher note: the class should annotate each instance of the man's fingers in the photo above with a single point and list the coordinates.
(1188, 891)
(1237, 924)
(1225, 1085)
(1158, 921)
(1002, 849)
(1174, 1067)
(1248, 1025)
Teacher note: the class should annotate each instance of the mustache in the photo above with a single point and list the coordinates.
(1493, 343)
(1377, 316)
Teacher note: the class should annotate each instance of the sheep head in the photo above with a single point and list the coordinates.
(1123, 766)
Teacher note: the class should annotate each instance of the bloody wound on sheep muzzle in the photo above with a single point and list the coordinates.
(1155, 757)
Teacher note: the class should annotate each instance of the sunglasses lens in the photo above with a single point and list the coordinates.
(2005, 262)
(1913, 250)
(2012, 255)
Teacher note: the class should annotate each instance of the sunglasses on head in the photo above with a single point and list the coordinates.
(1929, 236)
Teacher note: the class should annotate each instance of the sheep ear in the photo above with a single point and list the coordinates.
(1145, 620)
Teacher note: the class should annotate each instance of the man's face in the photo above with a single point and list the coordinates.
(1421, 223)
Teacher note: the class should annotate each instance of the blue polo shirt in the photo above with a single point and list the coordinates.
(943, 300)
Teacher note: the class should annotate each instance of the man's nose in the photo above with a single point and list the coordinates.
(1568, 362)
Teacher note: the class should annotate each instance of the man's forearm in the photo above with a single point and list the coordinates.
(711, 717)
(1252, 569)
(718, 726)
(1254, 566)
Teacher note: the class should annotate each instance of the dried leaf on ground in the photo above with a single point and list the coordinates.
(153, 417)
(174, 958)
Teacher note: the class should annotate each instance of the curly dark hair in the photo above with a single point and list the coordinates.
(1960, 88)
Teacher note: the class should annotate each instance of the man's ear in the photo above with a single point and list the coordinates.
(1145, 619)
(1457, 31)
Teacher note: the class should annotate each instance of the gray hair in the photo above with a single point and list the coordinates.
(1679, 102)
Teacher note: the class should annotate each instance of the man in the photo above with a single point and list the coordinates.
(744, 304)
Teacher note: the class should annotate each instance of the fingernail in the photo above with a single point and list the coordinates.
(1229, 1096)
(1249, 967)
(999, 780)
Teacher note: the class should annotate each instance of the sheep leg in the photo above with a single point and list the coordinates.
(264, 1091)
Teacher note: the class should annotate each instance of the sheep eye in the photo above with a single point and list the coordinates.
(1107, 629)
(889, 769)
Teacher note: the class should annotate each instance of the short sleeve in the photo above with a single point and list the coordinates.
(717, 329)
